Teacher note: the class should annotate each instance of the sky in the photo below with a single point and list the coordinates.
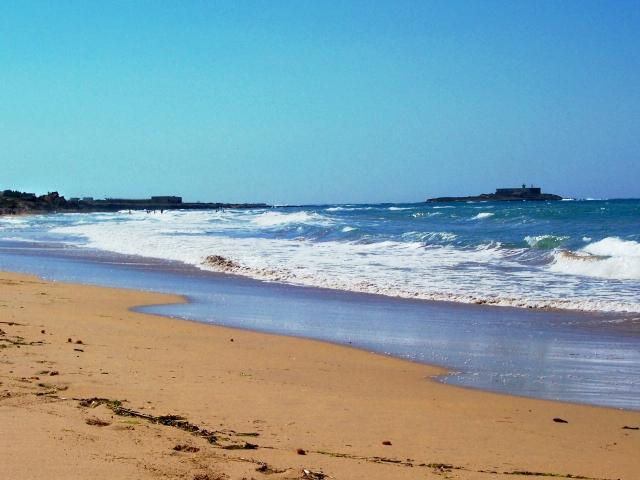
(315, 102)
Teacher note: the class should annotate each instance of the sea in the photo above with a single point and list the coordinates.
(540, 299)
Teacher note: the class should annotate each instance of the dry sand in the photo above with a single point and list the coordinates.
(247, 389)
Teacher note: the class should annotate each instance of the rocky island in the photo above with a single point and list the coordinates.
(523, 194)
(15, 202)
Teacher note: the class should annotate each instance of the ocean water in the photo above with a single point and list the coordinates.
(531, 299)
(570, 255)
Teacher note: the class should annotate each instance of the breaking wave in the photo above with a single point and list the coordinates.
(545, 241)
(610, 258)
(276, 219)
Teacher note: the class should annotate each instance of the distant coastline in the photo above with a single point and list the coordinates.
(13, 202)
(523, 194)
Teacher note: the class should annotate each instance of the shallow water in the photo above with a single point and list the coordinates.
(559, 355)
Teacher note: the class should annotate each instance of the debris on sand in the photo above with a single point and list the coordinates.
(207, 476)
(314, 475)
(213, 437)
(246, 446)
(97, 422)
(186, 448)
(268, 470)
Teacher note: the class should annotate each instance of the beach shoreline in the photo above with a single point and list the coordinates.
(337, 404)
(581, 358)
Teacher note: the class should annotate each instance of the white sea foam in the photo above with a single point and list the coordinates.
(13, 222)
(425, 214)
(614, 247)
(419, 266)
(272, 219)
(347, 208)
(610, 258)
(482, 215)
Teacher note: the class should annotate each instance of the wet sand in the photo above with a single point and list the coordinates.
(257, 399)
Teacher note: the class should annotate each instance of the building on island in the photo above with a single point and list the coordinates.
(518, 191)
(166, 199)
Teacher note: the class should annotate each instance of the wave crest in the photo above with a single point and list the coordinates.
(482, 215)
(545, 241)
(611, 258)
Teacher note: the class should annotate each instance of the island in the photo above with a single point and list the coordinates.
(13, 202)
(523, 194)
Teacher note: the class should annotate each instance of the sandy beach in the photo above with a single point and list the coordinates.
(90, 389)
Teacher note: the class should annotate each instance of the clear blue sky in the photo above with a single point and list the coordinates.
(319, 102)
